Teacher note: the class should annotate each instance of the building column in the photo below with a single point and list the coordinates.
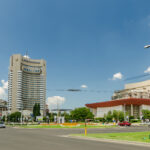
(131, 109)
(124, 112)
(140, 111)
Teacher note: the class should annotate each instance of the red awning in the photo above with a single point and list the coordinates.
(129, 101)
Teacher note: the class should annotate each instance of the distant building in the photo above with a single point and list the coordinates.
(133, 99)
(3, 107)
(134, 90)
(26, 84)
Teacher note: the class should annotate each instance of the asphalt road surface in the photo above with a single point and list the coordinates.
(51, 139)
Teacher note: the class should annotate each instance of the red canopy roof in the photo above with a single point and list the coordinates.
(129, 101)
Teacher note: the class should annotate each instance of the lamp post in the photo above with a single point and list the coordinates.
(58, 112)
(85, 128)
(21, 116)
(147, 46)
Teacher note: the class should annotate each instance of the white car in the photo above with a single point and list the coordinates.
(2, 125)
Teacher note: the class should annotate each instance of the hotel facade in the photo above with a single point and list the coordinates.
(26, 84)
(131, 100)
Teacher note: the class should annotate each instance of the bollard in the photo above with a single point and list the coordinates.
(85, 131)
(85, 128)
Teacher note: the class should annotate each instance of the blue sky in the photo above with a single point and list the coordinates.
(83, 42)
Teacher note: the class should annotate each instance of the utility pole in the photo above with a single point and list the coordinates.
(57, 112)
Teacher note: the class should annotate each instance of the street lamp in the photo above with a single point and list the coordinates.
(147, 46)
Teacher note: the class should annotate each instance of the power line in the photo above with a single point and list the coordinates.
(80, 90)
(137, 77)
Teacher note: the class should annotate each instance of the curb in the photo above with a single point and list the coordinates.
(110, 141)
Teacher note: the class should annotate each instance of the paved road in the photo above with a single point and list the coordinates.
(50, 139)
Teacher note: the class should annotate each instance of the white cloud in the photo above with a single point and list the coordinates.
(3, 89)
(84, 86)
(147, 70)
(117, 76)
(54, 101)
(5, 84)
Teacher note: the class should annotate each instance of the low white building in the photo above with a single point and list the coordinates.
(132, 99)
(133, 106)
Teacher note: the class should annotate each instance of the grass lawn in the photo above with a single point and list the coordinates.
(58, 126)
(130, 136)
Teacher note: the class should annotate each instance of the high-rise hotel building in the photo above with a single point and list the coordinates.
(26, 83)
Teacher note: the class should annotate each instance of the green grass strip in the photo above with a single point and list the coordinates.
(128, 136)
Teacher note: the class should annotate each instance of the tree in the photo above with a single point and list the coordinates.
(4, 118)
(146, 114)
(109, 116)
(51, 116)
(80, 114)
(15, 117)
(115, 115)
(67, 116)
(36, 110)
(121, 116)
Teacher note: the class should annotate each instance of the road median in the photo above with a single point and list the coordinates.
(134, 138)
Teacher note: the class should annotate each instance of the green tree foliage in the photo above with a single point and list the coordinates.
(117, 115)
(100, 119)
(109, 117)
(44, 119)
(131, 117)
(67, 116)
(4, 118)
(51, 116)
(80, 114)
(36, 110)
(146, 114)
(121, 116)
(14, 117)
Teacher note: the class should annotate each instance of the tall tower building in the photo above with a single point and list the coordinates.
(26, 83)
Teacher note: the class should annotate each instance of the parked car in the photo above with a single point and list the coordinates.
(124, 123)
(2, 125)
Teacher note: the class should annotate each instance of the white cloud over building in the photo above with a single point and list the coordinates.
(55, 101)
(3, 89)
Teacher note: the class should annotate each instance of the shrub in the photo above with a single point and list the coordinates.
(135, 120)
(131, 118)
(100, 119)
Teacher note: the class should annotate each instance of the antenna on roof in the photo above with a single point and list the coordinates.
(26, 55)
(27, 52)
